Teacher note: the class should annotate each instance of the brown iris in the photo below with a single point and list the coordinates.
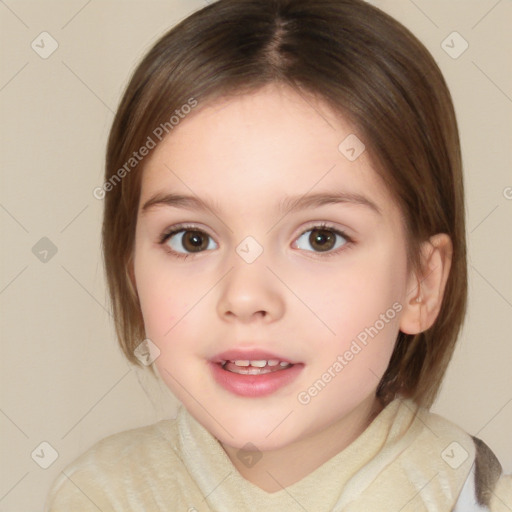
(194, 241)
(322, 239)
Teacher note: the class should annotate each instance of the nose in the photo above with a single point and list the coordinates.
(250, 292)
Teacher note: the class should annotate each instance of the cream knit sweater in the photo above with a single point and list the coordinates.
(407, 460)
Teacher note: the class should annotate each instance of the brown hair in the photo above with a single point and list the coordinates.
(364, 65)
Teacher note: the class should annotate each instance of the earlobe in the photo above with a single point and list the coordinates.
(424, 302)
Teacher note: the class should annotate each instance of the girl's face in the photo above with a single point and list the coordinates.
(285, 246)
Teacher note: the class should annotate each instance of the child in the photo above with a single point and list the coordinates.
(284, 237)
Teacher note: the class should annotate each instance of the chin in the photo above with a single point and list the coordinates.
(264, 436)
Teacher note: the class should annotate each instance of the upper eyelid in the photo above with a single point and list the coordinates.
(194, 227)
(178, 228)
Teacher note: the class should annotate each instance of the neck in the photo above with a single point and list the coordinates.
(289, 464)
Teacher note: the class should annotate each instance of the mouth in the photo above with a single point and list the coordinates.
(253, 373)
(254, 381)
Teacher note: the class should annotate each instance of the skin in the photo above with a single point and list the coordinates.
(246, 154)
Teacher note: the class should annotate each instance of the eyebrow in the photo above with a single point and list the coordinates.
(287, 205)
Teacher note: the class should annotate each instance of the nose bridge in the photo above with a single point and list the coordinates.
(249, 289)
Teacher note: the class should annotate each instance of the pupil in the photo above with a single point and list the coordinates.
(322, 239)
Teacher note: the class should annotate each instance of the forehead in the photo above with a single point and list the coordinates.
(255, 148)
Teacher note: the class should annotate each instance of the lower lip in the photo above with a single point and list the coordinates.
(254, 385)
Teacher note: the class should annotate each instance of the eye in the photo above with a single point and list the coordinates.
(187, 241)
(321, 239)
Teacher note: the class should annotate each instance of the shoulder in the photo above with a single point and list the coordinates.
(448, 446)
(119, 461)
(485, 486)
(444, 462)
(135, 444)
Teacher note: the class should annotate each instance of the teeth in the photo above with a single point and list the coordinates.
(242, 363)
(249, 370)
(258, 363)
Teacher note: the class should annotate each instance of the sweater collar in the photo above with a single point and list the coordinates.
(225, 489)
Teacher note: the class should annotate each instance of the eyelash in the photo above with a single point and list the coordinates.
(186, 227)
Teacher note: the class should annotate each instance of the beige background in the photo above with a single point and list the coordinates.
(63, 379)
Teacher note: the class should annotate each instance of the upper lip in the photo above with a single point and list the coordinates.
(248, 355)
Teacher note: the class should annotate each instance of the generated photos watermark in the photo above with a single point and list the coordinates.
(343, 360)
(157, 135)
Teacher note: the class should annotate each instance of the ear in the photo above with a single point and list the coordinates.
(427, 285)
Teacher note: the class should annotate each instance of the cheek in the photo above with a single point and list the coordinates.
(361, 305)
(173, 306)
(162, 306)
(350, 297)
(374, 317)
